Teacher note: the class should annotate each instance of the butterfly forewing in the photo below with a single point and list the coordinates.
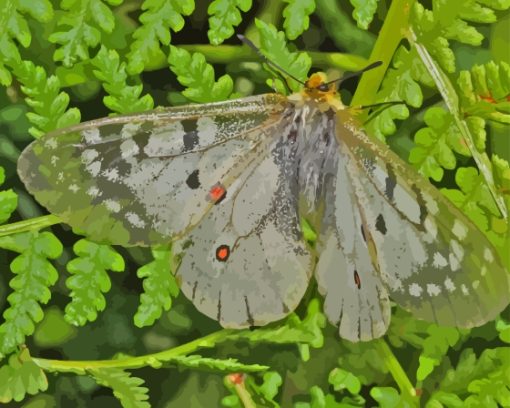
(434, 261)
(148, 178)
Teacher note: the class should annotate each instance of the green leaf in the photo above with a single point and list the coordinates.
(158, 18)
(90, 280)
(435, 346)
(34, 274)
(274, 47)
(436, 144)
(296, 17)
(401, 83)
(224, 16)
(19, 377)
(473, 198)
(481, 381)
(503, 329)
(8, 200)
(126, 388)
(387, 397)
(342, 379)
(44, 97)
(197, 76)
(484, 92)
(122, 98)
(82, 23)
(159, 287)
(364, 11)
(449, 20)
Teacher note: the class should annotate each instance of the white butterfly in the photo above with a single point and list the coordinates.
(230, 181)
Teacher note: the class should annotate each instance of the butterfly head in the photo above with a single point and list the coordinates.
(319, 90)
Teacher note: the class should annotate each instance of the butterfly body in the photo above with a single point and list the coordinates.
(231, 180)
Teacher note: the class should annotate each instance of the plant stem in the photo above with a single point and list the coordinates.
(176, 355)
(399, 375)
(392, 32)
(31, 224)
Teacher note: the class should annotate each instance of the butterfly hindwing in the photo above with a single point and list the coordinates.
(434, 261)
(246, 263)
(145, 179)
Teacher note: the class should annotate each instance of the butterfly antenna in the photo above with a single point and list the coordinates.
(265, 59)
(356, 73)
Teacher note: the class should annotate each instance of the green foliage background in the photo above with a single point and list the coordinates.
(63, 62)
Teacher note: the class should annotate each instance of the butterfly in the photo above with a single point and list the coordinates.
(230, 181)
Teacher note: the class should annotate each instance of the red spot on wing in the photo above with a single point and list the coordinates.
(357, 280)
(222, 253)
(217, 193)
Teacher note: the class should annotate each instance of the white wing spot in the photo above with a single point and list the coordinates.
(93, 168)
(94, 192)
(135, 220)
(51, 143)
(433, 289)
(454, 262)
(460, 230)
(129, 148)
(54, 160)
(457, 249)
(449, 285)
(74, 188)
(415, 290)
(475, 284)
(407, 204)
(89, 155)
(207, 131)
(488, 255)
(129, 130)
(60, 176)
(91, 135)
(439, 260)
(483, 271)
(465, 290)
(111, 174)
(430, 203)
(431, 227)
(112, 205)
(164, 142)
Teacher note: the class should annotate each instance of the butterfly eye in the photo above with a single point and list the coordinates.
(323, 87)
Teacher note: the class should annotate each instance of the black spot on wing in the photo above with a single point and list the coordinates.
(421, 202)
(249, 315)
(193, 181)
(380, 224)
(391, 182)
(190, 140)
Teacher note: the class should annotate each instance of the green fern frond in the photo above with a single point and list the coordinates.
(484, 92)
(159, 285)
(34, 275)
(436, 144)
(450, 21)
(49, 104)
(158, 18)
(197, 76)
(224, 16)
(8, 200)
(122, 98)
(21, 376)
(364, 11)
(126, 388)
(14, 26)
(82, 23)
(402, 82)
(476, 382)
(90, 280)
(274, 46)
(296, 17)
